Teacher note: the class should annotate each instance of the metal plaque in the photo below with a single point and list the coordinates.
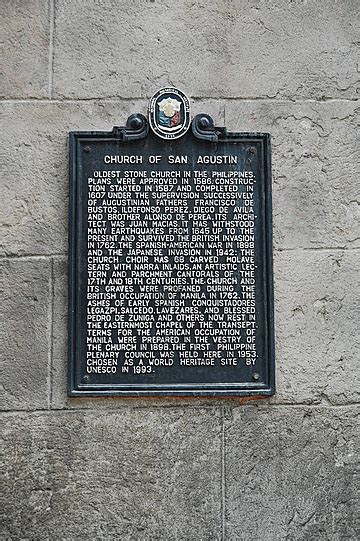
(170, 271)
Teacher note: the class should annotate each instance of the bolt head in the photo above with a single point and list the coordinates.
(136, 123)
(204, 122)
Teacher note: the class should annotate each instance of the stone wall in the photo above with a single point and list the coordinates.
(278, 468)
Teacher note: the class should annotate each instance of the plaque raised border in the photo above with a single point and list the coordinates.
(202, 127)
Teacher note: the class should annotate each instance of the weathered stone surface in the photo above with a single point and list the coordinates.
(291, 473)
(317, 320)
(25, 333)
(134, 474)
(34, 206)
(60, 334)
(25, 27)
(213, 49)
(316, 161)
(36, 170)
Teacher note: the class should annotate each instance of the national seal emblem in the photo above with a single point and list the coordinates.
(169, 113)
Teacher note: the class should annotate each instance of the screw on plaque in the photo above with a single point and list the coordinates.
(204, 123)
(255, 376)
(86, 149)
(252, 150)
(136, 123)
(86, 379)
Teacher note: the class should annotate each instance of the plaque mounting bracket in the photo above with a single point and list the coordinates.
(137, 127)
(203, 128)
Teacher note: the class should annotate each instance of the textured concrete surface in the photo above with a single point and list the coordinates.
(316, 163)
(291, 473)
(127, 475)
(317, 320)
(25, 42)
(183, 469)
(156, 474)
(36, 155)
(25, 333)
(215, 49)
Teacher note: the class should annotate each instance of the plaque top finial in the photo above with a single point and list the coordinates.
(169, 113)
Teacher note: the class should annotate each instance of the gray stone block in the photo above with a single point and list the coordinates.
(60, 335)
(35, 181)
(134, 474)
(35, 202)
(25, 27)
(315, 169)
(291, 474)
(317, 320)
(208, 49)
(25, 333)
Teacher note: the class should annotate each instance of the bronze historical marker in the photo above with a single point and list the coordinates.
(170, 289)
